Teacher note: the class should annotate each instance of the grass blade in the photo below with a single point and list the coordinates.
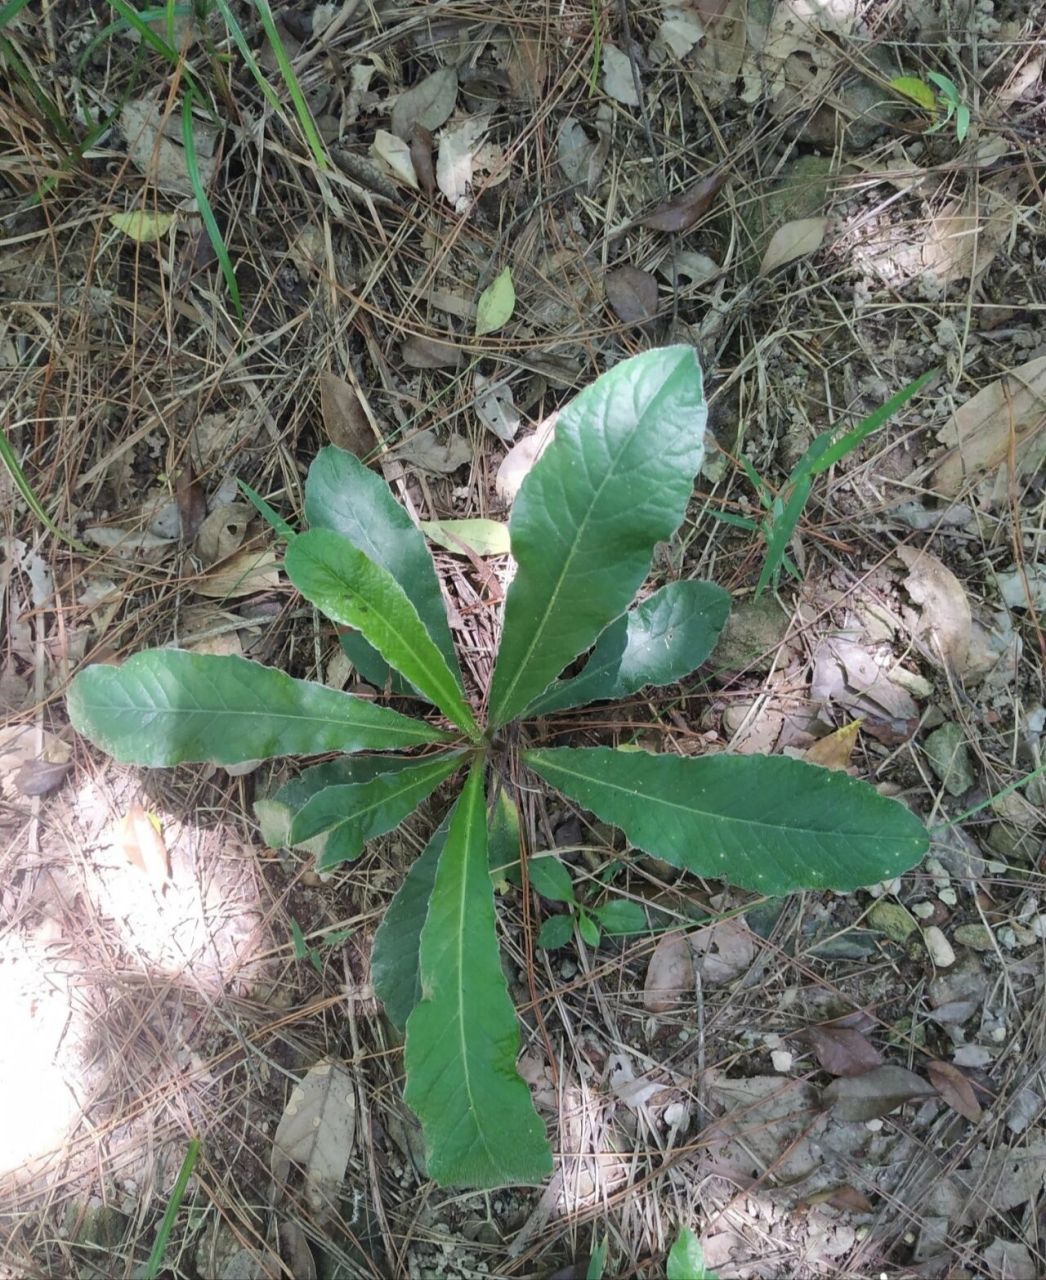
(14, 470)
(872, 423)
(152, 1267)
(301, 107)
(206, 212)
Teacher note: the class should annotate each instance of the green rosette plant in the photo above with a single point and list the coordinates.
(615, 481)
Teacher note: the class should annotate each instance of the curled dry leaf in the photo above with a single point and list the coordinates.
(191, 502)
(670, 974)
(516, 464)
(393, 153)
(723, 951)
(875, 1093)
(456, 158)
(316, 1132)
(222, 533)
(795, 239)
(138, 836)
(955, 1088)
(425, 450)
(835, 750)
(946, 613)
(1011, 410)
(632, 294)
(842, 1051)
(244, 574)
(683, 211)
(421, 158)
(344, 416)
(429, 103)
(429, 353)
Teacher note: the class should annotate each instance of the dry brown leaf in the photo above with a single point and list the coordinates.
(683, 211)
(22, 769)
(344, 417)
(40, 777)
(429, 353)
(955, 1088)
(191, 500)
(1011, 410)
(150, 132)
(876, 1093)
(516, 464)
(796, 239)
(670, 974)
(723, 951)
(393, 154)
(244, 574)
(421, 158)
(222, 533)
(496, 407)
(456, 158)
(836, 749)
(294, 1248)
(717, 60)
(426, 451)
(138, 837)
(429, 103)
(632, 294)
(842, 1051)
(316, 1132)
(946, 609)
(618, 80)
(526, 66)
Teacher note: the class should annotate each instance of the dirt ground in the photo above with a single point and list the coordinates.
(830, 1085)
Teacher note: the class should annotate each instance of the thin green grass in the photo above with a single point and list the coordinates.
(214, 233)
(152, 1267)
(14, 469)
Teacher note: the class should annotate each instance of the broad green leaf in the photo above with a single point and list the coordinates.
(588, 928)
(658, 642)
(394, 958)
(766, 823)
(275, 813)
(496, 304)
(484, 537)
(918, 90)
(556, 931)
(343, 495)
(686, 1258)
(614, 481)
(550, 878)
(337, 822)
(352, 589)
(168, 706)
(480, 1126)
(369, 663)
(620, 917)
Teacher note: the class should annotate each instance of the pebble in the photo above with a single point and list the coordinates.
(949, 758)
(975, 936)
(940, 949)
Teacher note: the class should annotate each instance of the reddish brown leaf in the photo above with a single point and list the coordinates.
(421, 158)
(684, 210)
(876, 1093)
(954, 1087)
(429, 353)
(191, 501)
(344, 416)
(841, 1051)
(632, 294)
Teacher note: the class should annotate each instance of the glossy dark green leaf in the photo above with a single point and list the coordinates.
(658, 642)
(767, 823)
(480, 1126)
(168, 706)
(614, 482)
(352, 589)
(556, 931)
(336, 822)
(343, 495)
(394, 958)
(276, 812)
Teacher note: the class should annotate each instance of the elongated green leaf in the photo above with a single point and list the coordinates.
(484, 537)
(275, 813)
(394, 957)
(343, 495)
(373, 667)
(686, 1259)
(351, 589)
(658, 642)
(503, 837)
(481, 1129)
(615, 480)
(337, 821)
(167, 706)
(766, 823)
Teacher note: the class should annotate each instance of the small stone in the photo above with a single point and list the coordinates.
(949, 758)
(948, 896)
(782, 1061)
(1011, 843)
(753, 633)
(893, 920)
(972, 1055)
(924, 910)
(940, 949)
(1008, 938)
(975, 936)
(1038, 926)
